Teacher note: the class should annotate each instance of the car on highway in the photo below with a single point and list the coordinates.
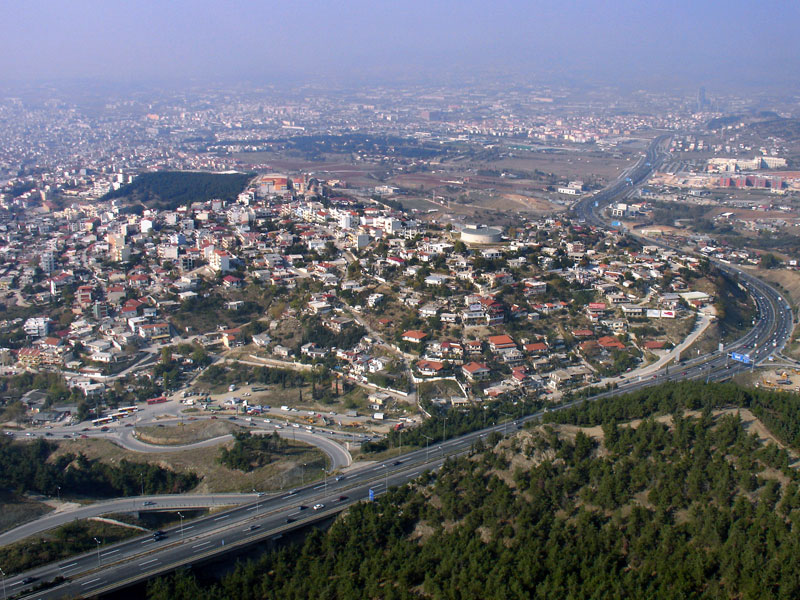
(342, 498)
(149, 503)
(28, 580)
(290, 520)
(302, 507)
(253, 527)
(159, 535)
(318, 507)
(339, 477)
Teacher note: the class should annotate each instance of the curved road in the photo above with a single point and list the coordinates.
(120, 505)
(772, 327)
(339, 456)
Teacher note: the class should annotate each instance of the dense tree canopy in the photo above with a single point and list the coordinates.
(682, 503)
(27, 467)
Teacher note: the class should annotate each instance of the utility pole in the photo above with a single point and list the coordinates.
(444, 428)
(3, 573)
(181, 516)
(98, 551)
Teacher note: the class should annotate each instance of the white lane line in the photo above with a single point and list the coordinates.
(147, 541)
(68, 566)
(222, 517)
(91, 581)
(188, 527)
(147, 562)
(111, 552)
(319, 487)
(252, 508)
(200, 545)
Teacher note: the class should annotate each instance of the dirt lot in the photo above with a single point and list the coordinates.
(285, 472)
(443, 388)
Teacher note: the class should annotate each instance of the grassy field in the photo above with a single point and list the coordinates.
(16, 510)
(186, 433)
(285, 472)
(62, 542)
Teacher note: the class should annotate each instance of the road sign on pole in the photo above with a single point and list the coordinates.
(371, 494)
(742, 358)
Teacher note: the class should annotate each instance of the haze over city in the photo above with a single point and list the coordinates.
(624, 42)
(400, 300)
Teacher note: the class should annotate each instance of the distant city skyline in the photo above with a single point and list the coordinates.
(624, 43)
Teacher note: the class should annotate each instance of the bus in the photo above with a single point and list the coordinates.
(119, 415)
(158, 400)
(102, 421)
(128, 409)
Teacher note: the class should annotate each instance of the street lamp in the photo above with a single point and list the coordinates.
(505, 425)
(58, 488)
(3, 573)
(181, 516)
(427, 449)
(400, 444)
(303, 475)
(444, 428)
(98, 551)
(325, 479)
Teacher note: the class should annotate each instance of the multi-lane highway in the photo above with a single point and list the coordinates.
(773, 322)
(138, 559)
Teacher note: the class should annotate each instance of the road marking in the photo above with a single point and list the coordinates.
(252, 508)
(147, 562)
(200, 545)
(319, 486)
(111, 552)
(68, 566)
(147, 541)
(222, 517)
(91, 581)
(188, 527)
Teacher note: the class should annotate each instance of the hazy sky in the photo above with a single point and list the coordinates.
(686, 41)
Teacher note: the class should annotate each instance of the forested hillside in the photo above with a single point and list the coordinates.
(167, 190)
(28, 467)
(684, 503)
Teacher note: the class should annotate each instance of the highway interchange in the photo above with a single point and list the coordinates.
(270, 517)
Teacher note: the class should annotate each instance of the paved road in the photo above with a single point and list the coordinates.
(339, 456)
(141, 558)
(120, 505)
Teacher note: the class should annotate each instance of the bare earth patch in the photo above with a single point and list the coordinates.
(188, 433)
(286, 471)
